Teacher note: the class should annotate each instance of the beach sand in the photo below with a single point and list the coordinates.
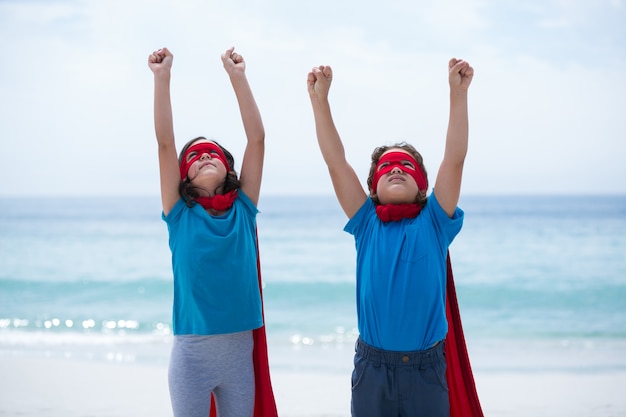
(55, 387)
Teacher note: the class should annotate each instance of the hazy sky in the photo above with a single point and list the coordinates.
(547, 104)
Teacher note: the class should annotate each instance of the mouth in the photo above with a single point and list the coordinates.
(396, 178)
(206, 164)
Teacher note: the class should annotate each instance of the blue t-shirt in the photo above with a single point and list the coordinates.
(401, 276)
(214, 259)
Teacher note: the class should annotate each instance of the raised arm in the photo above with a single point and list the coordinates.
(448, 184)
(252, 163)
(160, 62)
(346, 183)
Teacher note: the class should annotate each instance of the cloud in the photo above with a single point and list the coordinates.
(544, 105)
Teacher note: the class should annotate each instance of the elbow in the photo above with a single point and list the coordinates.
(259, 138)
(166, 146)
(456, 157)
(165, 141)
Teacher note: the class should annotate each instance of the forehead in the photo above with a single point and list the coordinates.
(396, 150)
(396, 155)
(202, 141)
(202, 145)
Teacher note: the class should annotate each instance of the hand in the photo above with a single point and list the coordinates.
(160, 60)
(460, 74)
(318, 81)
(233, 62)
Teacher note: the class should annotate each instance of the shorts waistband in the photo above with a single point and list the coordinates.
(410, 358)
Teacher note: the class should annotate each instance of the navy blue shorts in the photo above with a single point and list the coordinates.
(399, 384)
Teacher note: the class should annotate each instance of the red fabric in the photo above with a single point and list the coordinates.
(392, 160)
(464, 400)
(395, 212)
(199, 149)
(218, 201)
(264, 402)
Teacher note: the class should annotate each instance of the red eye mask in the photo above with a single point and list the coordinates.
(200, 149)
(393, 160)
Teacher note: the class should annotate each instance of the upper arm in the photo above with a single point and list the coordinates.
(169, 176)
(348, 188)
(448, 185)
(252, 168)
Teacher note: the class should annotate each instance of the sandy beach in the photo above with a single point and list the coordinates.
(56, 387)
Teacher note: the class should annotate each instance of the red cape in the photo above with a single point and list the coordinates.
(462, 390)
(264, 403)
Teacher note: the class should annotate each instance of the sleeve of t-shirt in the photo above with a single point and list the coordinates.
(359, 217)
(248, 204)
(174, 214)
(450, 226)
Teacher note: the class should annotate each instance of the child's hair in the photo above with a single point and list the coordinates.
(420, 198)
(189, 192)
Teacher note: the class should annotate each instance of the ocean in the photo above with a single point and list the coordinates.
(541, 281)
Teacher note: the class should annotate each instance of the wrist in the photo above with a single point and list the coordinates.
(162, 74)
(319, 100)
(236, 76)
(458, 94)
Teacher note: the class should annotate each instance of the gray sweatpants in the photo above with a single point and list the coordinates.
(218, 364)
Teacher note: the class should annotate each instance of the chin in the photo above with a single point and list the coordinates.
(396, 198)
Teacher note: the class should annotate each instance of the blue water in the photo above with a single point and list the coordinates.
(543, 276)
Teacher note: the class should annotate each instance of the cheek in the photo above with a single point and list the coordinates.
(193, 170)
(193, 167)
(219, 164)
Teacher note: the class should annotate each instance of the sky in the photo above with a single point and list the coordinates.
(547, 105)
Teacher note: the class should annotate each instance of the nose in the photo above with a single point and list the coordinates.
(205, 155)
(396, 170)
